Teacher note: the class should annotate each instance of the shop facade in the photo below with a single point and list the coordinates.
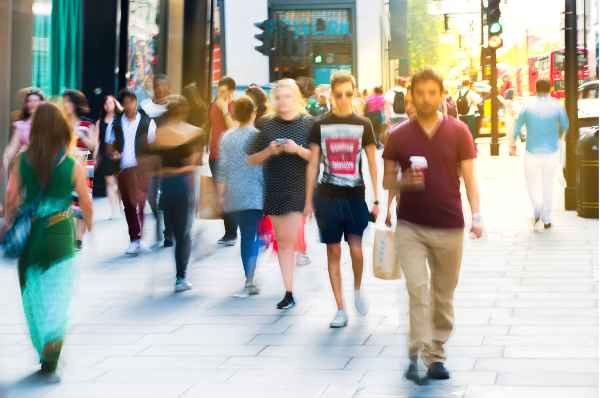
(100, 47)
(326, 36)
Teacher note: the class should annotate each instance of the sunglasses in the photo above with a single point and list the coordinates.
(347, 94)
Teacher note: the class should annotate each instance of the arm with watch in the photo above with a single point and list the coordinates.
(371, 151)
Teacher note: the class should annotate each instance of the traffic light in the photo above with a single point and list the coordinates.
(494, 25)
(266, 37)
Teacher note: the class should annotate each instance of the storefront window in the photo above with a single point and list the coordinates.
(144, 53)
(321, 43)
(218, 64)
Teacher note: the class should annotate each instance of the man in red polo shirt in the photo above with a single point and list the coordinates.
(221, 121)
(432, 152)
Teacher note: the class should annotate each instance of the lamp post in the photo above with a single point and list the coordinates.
(571, 71)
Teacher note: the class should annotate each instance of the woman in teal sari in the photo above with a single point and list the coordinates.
(46, 174)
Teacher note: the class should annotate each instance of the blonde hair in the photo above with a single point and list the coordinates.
(291, 84)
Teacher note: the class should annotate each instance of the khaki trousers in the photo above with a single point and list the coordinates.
(430, 259)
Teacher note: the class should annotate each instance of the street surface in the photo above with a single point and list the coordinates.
(526, 318)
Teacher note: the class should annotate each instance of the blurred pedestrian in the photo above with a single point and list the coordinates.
(105, 166)
(178, 145)
(510, 114)
(395, 99)
(127, 138)
(76, 107)
(198, 109)
(156, 109)
(282, 146)
(449, 105)
(45, 178)
(467, 106)
(220, 121)
(19, 140)
(308, 90)
(433, 152)
(261, 101)
(546, 122)
(375, 112)
(359, 102)
(241, 187)
(340, 208)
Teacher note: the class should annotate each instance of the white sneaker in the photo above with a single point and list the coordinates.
(340, 320)
(134, 248)
(361, 303)
(244, 293)
(181, 285)
(253, 290)
(302, 260)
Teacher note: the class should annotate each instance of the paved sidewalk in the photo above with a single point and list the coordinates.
(526, 319)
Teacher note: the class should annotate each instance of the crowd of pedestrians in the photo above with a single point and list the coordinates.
(276, 161)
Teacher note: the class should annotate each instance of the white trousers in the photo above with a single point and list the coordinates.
(540, 174)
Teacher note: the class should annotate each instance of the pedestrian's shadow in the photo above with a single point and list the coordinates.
(125, 259)
(29, 386)
(157, 306)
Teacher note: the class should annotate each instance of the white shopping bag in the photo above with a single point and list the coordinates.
(385, 263)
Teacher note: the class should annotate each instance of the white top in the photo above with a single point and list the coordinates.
(128, 158)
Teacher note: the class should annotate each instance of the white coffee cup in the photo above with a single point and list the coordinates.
(418, 163)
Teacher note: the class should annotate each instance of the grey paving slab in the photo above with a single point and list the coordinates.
(574, 351)
(524, 365)
(547, 379)
(530, 392)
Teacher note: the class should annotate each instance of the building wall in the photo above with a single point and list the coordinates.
(244, 63)
(22, 33)
(5, 70)
(369, 44)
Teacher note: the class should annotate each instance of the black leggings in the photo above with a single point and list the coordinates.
(177, 202)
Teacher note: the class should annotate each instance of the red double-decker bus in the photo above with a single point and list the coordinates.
(552, 68)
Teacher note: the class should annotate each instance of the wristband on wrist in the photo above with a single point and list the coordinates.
(477, 219)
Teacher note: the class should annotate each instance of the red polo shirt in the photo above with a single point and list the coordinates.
(439, 205)
(218, 127)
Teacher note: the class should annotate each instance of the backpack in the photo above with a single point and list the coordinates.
(451, 107)
(462, 103)
(399, 102)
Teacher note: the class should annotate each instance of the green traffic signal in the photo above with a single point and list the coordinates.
(495, 28)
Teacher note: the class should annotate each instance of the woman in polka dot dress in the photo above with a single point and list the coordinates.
(282, 147)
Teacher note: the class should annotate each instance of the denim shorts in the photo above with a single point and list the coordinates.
(340, 216)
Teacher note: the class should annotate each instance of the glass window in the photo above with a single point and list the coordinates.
(312, 43)
(144, 46)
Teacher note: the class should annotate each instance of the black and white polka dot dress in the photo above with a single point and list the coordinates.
(285, 174)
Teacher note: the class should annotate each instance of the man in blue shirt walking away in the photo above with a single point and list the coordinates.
(546, 122)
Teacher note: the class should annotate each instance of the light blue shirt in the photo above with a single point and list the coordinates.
(546, 120)
(244, 183)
